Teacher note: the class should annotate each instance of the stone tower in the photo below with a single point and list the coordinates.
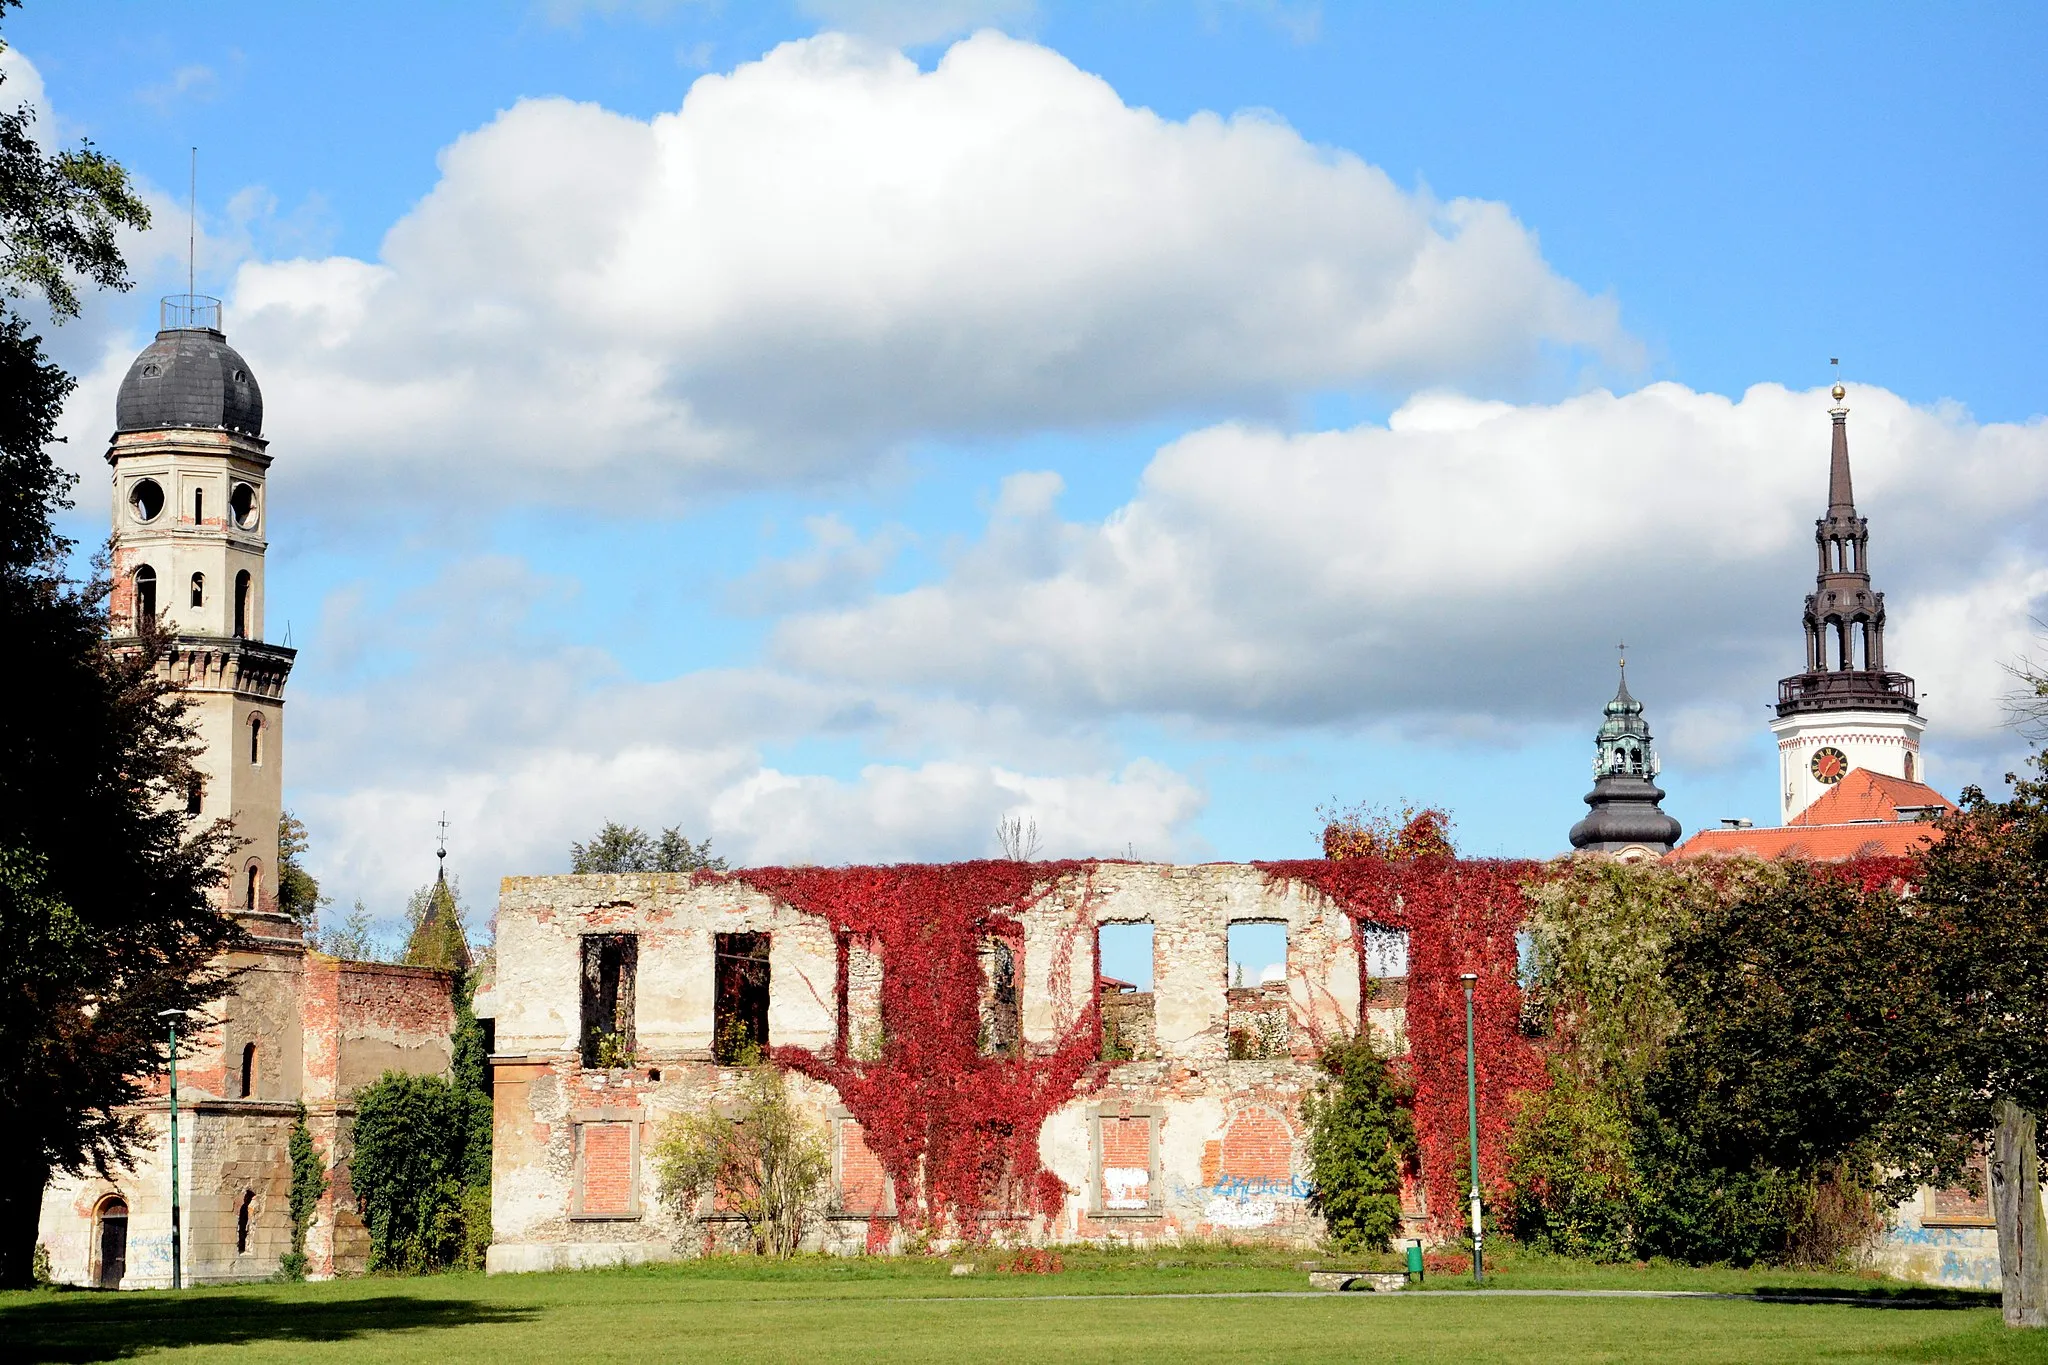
(189, 463)
(1625, 820)
(1845, 710)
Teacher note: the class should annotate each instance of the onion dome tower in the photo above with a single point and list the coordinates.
(1626, 819)
(1845, 710)
(189, 466)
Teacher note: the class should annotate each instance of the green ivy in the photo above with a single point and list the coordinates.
(309, 1182)
(422, 1164)
(1360, 1134)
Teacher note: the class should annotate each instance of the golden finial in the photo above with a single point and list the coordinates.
(1840, 393)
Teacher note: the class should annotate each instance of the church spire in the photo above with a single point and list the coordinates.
(1845, 709)
(1841, 496)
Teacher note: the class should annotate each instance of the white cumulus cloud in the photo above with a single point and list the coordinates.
(1479, 559)
(829, 251)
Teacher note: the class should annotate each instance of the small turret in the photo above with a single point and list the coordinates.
(1625, 818)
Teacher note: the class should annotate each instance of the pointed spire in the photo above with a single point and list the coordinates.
(1841, 497)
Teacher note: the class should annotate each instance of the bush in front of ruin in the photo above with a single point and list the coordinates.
(759, 1159)
(411, 1172)
(1360, 1137)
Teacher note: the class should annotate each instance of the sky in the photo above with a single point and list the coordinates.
(835, 427)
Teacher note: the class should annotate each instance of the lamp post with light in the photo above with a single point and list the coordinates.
(1472, 1129)
(177, 1243)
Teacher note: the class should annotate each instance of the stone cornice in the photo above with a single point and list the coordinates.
(217, 663)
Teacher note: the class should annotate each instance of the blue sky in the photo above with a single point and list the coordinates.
(868, 450)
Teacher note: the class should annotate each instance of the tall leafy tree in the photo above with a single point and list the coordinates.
(298, 891)
(105, 914)
(1985, 884)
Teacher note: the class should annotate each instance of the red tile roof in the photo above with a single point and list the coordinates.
(1858, 819)
(1865, 795)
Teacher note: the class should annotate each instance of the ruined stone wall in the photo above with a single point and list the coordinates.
(1180, 1141)
(321, 1028)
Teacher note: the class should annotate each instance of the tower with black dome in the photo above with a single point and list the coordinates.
(190, 527)
(1626, 820)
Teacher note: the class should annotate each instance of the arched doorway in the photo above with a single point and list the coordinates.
(112, 1241)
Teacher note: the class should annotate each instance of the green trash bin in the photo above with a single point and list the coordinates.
(1415, 1263)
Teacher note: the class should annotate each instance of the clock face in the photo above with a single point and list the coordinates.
(1830, 766)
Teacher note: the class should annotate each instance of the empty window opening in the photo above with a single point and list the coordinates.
(254, 886)
(199, 507)
(740, 1016)
(256, 740)
(1257, 1018)
(610, 964)
(145, 595)
(248, 1070)
(1386, 952)
(1909, 769)
(242, 605)
(147, 498)
(1002, 1032)
(199, 590)
(1123, 985)
(113, 1242)
(242, 1223)
(195, 794)
(242, 502)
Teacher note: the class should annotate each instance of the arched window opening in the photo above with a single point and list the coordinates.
(112, 1241)
(242, 502)
(1910, 777)
(1842, 645)
(195, 794)
(199, 507)
(249, 1056)
(254, 886)
(256, 741)
(242, 1223)
(1835, 556)
(145, 595)
(242, 604)
(199, 590)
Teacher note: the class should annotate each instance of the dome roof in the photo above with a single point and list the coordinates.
(190, 377)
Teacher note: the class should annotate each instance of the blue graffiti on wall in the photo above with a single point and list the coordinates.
(1261, 1187)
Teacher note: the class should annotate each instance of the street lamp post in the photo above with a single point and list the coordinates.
(177, 1243)
(1472, 1126)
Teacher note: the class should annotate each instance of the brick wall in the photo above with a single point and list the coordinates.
(607, 1169)
(863, 1185)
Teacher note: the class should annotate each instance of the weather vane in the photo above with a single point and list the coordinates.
(441, 850)
(1839, 391)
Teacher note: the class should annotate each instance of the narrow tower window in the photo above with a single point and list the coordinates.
(242, 604)
(256, 741)
(1909, 769)
(199, 507)
(242, 1223)
(199, 590)
(249, 1061)
(254, 885)
(195, 793)
(145, 595)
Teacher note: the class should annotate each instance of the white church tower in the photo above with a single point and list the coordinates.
(189, 463)
(1845, 710)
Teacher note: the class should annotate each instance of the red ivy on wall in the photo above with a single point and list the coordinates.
(956, 1131)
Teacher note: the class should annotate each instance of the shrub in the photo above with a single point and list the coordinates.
(1571, 1174)
(1359, 1137)
(762, 1161)
(412, 1140)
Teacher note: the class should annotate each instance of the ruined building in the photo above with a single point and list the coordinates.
(621, 1000)
(190, 516)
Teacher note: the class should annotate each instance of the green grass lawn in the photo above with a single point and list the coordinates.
(817, 1311)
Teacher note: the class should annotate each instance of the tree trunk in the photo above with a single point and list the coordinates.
(2022, 1228)
(21, 1213)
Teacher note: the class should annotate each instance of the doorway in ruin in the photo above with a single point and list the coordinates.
(113, 1242)
(740, 1014)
